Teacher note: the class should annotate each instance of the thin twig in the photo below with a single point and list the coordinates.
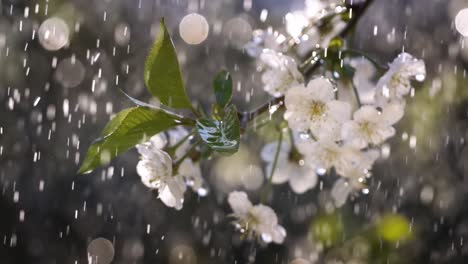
(356, 94)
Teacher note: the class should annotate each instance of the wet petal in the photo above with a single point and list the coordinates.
(239, 203)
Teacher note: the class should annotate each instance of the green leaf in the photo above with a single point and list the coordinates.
(222, 136)
(162, 72)
(128, 128)
(223, 88)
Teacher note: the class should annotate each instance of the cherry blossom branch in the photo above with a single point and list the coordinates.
(246, 117)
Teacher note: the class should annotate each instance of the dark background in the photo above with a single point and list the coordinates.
(63, 217)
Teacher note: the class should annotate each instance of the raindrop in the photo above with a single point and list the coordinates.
(100, 251)
(427, 194)
(70, 72)
(122, 34)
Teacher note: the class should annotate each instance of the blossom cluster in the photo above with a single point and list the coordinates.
(330, 133)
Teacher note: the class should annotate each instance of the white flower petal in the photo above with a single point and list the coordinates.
(321, 89)
(340, 192)
(172, 193)
(265, 216)
(278, 234)
(239, 203)
(392, 113)
(281, 173)
(303, 180)
(339, 110)
(269, 151)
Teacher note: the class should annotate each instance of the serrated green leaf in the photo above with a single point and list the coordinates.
(162, 72)
(223, 136)
(128, 128)
(223, 88)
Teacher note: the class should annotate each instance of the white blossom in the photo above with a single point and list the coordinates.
(314, 107)
(301, 176)
(281, 73)
(155, 170)
(395, 83)
(325, 154)
(369, 126)
(259, 220)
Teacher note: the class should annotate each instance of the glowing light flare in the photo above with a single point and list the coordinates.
(194, 28)
(461, 22)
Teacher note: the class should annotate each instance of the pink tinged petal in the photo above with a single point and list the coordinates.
(239, 203)
(320, 89)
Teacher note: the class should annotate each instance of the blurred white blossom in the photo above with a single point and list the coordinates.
(259, 220)
(314, 107)
(354, 173)
(301, 176)
(281, 73)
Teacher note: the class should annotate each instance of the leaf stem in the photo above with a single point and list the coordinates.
(267, 187)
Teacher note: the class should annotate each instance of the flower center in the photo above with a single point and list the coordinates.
(395, 80)
(367, 128)
(317, 109)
